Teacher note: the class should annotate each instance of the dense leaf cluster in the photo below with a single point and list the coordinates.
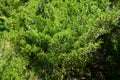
(59, 39)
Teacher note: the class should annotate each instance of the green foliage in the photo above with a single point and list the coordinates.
(59, 39)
